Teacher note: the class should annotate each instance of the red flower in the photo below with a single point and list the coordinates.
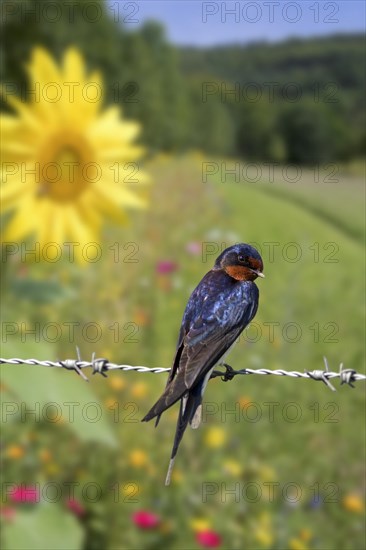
(164, 267)
(24, 493)
(145, 520)
(208, 539)
(75, 506)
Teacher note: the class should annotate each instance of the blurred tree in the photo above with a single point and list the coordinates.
(313, 133)
(161, 85)
(326, 73)
(211, 125)
(163, 95)
(57, 25)
(258, 137)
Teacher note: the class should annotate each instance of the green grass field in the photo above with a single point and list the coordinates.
(278, 463)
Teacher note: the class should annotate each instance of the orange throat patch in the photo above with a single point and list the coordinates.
(240, 273)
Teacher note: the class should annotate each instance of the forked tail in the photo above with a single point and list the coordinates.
(188, 407)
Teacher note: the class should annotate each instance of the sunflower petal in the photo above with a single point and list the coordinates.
(119, 195)
(23, 223)
(73, 66)
(12, 192)
(42, 69)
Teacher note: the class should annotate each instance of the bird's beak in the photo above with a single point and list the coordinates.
(259, 273)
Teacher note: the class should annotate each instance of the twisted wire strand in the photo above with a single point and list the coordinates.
(71, 363)
(102, 365)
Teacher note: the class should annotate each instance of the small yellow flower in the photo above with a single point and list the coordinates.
(264, 536)
(306, 534)
(215, 437)
(265, 519)
(117, 383)
(297, 544)
(110, 402)
(200, 524)
(267, 473)
(130, 490)
(138, 458)
(53, 469)
(15, 451)
(45, 455)
(140, 389)
(353, 503)
(263, 531)
(233, 467)
(244, 402)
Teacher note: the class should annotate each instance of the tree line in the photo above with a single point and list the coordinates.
(296, 101)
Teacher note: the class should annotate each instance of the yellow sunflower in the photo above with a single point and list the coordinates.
(66, 164)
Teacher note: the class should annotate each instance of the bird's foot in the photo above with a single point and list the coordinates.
(227, 375)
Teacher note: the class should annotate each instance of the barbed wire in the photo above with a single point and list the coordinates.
(102, 365)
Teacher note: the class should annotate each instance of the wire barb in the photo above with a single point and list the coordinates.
(347, 376)
(102, 365)
(99, 365)
(321, 375)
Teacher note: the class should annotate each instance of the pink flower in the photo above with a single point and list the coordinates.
(145, 520)
(194, 248)
(8, 513)
(208, 539)
(164, 267)
(76, 507)
(24, 493)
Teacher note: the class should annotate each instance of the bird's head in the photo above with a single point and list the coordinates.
(241, 261)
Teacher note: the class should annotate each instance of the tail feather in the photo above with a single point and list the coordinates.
(190, 411)
(169, 473)
(184, 401)
(171, 395)
(197, 418)
(174, 389)
(160, 406)
(188, 407)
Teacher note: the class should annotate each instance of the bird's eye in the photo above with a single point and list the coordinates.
(243, 259)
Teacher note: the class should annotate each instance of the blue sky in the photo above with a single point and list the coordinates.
(205, 23)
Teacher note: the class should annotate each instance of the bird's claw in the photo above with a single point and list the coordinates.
(229, 374)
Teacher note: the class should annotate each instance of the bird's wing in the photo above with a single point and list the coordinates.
(211, 335)
(206, 339)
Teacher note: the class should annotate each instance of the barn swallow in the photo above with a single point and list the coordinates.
(218, 310)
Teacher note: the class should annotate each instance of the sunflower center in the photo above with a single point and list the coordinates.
(67, 168)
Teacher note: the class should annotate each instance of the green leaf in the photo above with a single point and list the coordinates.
(40, 292)
(44, 527)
